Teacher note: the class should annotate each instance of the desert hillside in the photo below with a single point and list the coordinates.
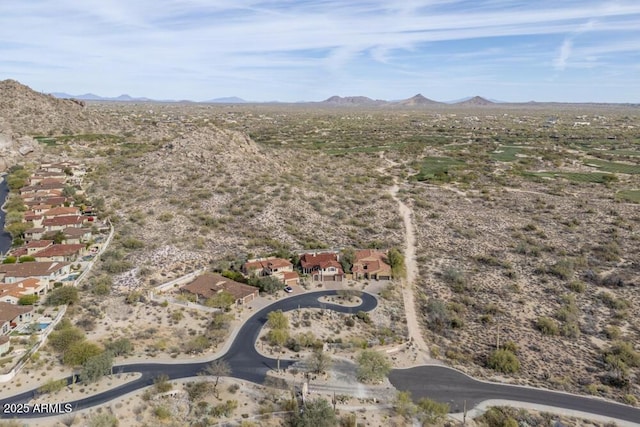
(525, 217)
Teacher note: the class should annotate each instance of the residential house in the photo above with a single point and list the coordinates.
(61, 211)
(46, 271)
(210, 284)
(34, 218)
(13, 315)
(371, 264)
(62, 222)
(267, 266)
(40, 208)
(40, 175)
(322, 266)
(12, 292)
(61, 253)
(290, 278)
(30, 248)
(77, 235)
(35, 233)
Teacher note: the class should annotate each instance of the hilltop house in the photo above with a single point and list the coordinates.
(210, 284)
(322, 267)
(371, 264)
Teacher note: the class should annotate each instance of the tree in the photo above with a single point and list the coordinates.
(269, 284)
(101, 285)
(96, 367)
(319, 361)
(347, 257)
(62, 339)
(504, 361)
(57, 237)
(430, 411)
(51, 386)
(277, 320)
(80, 352)
(9, 260)
(28, 299)
(223, 300)
(26, 258)
(63, 295)
(396, 261)
(278, 336)
(119, 347)
(218, 368)
(316, 413)
(373, 367)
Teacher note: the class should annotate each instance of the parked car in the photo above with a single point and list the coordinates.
(288, 289)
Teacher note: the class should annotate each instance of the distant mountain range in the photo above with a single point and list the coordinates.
(418, 100)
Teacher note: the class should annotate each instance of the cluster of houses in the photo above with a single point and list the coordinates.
(324, 266)
(40, 263)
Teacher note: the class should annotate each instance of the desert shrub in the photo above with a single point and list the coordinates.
(612, 302)
(63, 295)
(431, 412)
(562, 269)
(547, 326)
(503, 360)
(576, 286)
(455, 278)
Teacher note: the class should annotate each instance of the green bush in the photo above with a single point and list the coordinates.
(547, 326)
(503, 360)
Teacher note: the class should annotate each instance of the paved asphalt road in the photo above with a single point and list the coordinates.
(245, 362)
(448, 385)
(436, 382)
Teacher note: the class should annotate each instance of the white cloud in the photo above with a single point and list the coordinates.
(560, 62)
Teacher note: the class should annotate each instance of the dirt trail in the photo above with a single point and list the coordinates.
(408, 283)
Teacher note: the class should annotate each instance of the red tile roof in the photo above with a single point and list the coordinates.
(61, 211)
(31, 269)
(210, 284)
(63, 220)
(311, 260)
(267, 263)
(8, 312)
(59, 250)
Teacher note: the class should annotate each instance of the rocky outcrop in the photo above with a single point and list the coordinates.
(16, 150)
(26, 112)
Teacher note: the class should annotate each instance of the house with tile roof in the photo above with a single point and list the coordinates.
(324, 266)
(62, 222)
(45, 271)
(12, 292)
(61, 253)
(266, 266)
(61, 211)
(371, 264)
(210, 284)
(12, 316)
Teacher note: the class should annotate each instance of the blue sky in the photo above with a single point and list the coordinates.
(287, 50)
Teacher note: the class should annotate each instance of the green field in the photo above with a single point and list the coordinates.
(629, 195)
(507, 153)
(437, 168)
(593, 177)
(613, 167)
